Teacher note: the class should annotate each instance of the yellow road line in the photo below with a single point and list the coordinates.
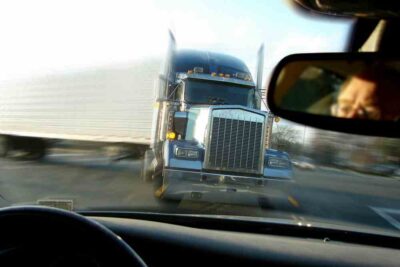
(293, 201)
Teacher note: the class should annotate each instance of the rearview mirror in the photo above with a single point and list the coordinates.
(349, 92)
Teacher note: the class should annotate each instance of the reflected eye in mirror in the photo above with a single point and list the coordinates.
(339, 88)
(345, 110)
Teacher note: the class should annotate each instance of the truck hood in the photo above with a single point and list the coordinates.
(198, 117)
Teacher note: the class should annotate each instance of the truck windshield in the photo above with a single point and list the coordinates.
(217, 93)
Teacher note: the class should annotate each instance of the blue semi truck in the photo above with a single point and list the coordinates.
(197, 123)
(209, 132)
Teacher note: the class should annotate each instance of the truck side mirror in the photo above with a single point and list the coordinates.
(180, 121)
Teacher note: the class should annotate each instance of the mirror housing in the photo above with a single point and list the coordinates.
(346, 65)
(180, 122)
(378, 9)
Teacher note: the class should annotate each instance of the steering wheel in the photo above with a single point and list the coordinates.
(40, 236)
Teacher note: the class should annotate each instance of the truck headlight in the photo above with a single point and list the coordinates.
(186, 153)
(278, 163)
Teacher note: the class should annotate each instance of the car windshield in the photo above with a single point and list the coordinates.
(87, 121)
(202, 92)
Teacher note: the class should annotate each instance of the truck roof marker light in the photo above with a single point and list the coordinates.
(171, 135)
(190, 72)
(198, 70)
(221, 75)
(227, 75)
(241, 75)
(213, 74)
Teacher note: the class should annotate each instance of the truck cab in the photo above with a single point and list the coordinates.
(213, 79)
(210, 89)
(210, 134)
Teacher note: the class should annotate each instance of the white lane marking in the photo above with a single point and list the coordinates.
(13, 167)
(301, 221)
(78, 158)
(385, 213)
(19, 166)
(297, 220)
(69, 155)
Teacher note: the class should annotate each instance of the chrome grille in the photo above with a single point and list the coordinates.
(235, 143)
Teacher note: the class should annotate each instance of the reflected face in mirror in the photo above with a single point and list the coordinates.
(357, 99)
(341, 88)
(370, 95)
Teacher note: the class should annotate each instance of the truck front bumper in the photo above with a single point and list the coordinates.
(221, 188)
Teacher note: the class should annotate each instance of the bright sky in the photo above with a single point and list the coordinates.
(47, 36)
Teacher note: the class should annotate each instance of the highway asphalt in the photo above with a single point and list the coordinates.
(93, 180)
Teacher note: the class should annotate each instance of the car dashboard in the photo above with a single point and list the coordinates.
(166, 244)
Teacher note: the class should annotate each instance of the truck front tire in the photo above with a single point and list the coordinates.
(158, 191)
(147, 171)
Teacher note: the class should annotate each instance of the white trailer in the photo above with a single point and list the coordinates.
(110, 104)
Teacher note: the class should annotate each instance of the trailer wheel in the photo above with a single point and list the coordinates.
(4, 146)
(158, 186)
(265, 204)
(36, 150)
